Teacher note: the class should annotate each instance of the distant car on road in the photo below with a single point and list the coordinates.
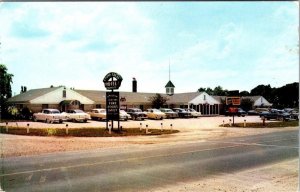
(98, 114)
(155, 114)
(169, 113)
(136, 114)
(49, 116)
(77, 115)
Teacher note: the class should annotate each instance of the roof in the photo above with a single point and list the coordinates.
(27, 96)
(183, 97)
(131, 97)
(170, 84)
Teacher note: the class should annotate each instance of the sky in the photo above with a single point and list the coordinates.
(235, 45)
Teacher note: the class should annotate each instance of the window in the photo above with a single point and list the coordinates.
(204, 97)
(98, 106)
(45, 106)
(64, 93)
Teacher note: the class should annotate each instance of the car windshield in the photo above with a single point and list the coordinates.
(54, 111)
(78, 111)
(192, 110)
(155, 110)
(137, 110)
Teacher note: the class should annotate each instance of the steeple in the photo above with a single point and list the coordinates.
(169, 86)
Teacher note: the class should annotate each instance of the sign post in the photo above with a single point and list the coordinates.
(232, 103)
(112, 81)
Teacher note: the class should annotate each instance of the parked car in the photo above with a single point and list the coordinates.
(239, 112)
(193, 112)
(77, 115)
(98, 114)
(155, 114)
(124, 116)
(275, 114)
(49, 116)
(294, 114)
(170, 114)
(136, 114)
(182, 113)
(252, 112)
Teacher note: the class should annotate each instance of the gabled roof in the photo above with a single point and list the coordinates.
(170, 84)
(30, 95)
(182, 97)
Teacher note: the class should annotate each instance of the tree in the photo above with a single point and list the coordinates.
(246, 104)
(263, 90)
(219, 91)
(286, 96)
(5, 86)
(244, 93)
(208, 90)
(158, 101)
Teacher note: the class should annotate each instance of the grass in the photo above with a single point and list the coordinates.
(267, 124)
(82, 132)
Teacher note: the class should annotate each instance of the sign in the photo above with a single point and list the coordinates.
(233, 101)
(112, 106)
(232, 109)
(112, 81)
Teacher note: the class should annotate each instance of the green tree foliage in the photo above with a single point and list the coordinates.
(286, 96)
(5, 86)
(244, 93)
(262, 90)
(246, 104)
(158, 101)
(208, 90)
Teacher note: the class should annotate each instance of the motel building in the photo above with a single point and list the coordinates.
(63, 99)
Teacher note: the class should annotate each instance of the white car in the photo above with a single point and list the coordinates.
(77, 115)
(124, 116)
(193, 112)
(49, 116)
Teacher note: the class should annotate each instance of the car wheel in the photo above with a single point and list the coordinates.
(85, 120)
(60, 121)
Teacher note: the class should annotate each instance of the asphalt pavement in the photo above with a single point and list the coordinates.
(145, 167)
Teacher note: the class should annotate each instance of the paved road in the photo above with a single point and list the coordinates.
(146, 167)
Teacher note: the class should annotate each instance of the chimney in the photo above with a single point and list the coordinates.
(134, 85)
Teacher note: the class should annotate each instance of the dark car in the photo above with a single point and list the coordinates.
(182, 113)
(169, 113)
(252, 112)
(294, 114)
(136, 114)
(275, 114)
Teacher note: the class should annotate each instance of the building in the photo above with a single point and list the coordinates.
(63, 98)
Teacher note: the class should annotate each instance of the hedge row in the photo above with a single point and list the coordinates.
(82, 132)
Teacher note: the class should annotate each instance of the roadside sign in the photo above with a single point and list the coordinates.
(112, 106)
(233, 100)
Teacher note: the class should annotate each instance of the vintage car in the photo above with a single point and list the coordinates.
(49, 116)
(98, 114)
(77, 115)
(136, 114)
(193, 112)
(155, 114)
(124, 116)
(170, 114)
(275, 114)
(182, 113)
